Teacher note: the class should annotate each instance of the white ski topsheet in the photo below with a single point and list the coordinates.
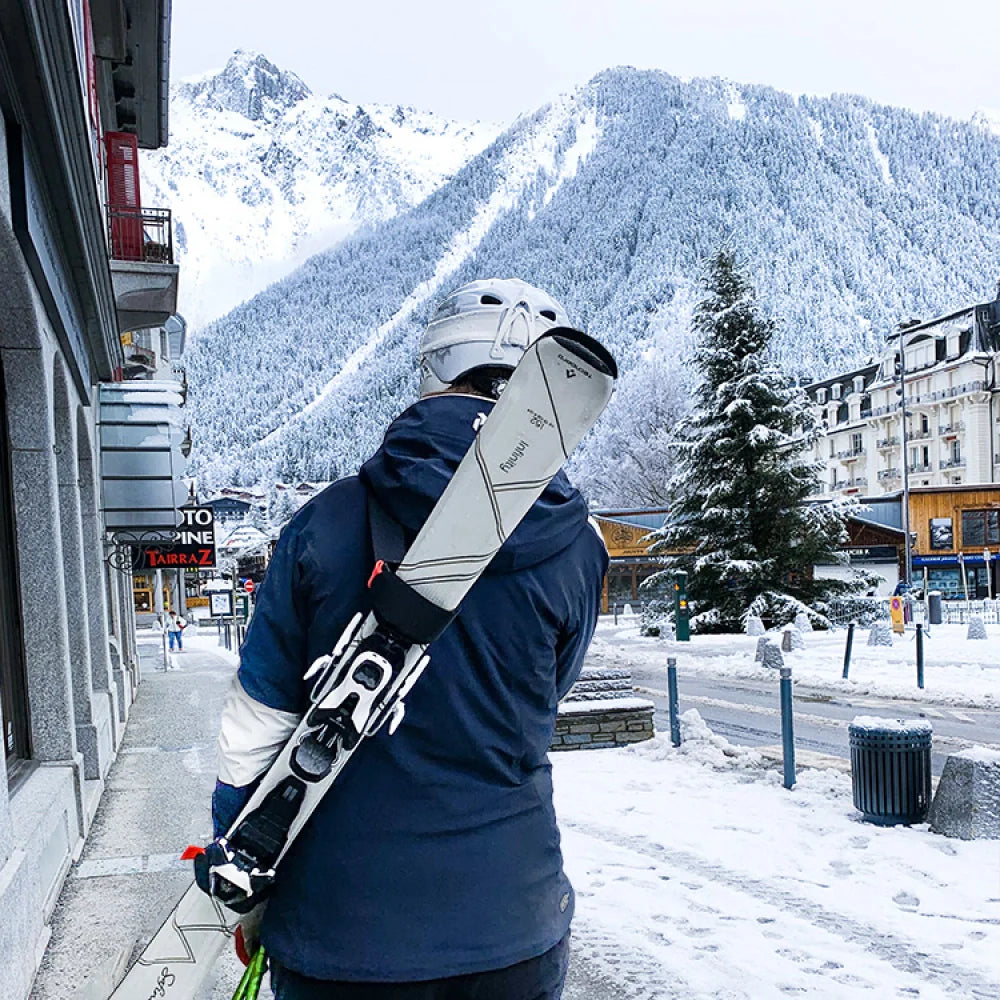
(182, 952)
(551, 401)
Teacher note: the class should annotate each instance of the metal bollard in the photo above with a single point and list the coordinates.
(920, 657)
(787, 730)
(847, 650)
(615, 609)
(675, 725)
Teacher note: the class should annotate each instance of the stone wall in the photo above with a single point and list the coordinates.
(602, 727)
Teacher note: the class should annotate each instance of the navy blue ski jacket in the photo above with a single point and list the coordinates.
(437, 851)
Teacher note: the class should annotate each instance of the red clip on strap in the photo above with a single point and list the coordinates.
(379, 567)
(191, 852)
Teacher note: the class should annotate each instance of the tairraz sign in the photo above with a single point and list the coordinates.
(194, 547)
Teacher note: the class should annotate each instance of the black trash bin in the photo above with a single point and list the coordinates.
(891, 769)
(934, 615)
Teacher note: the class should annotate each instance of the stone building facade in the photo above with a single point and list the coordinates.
(71, 74)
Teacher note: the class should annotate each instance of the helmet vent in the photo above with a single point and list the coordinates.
(490, 300)
(549, 314)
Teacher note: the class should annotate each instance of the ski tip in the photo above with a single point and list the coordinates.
(586, 348)
(191, 852)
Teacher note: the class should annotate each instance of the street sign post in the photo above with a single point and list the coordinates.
(221, 604)
(242, 610)
(896, 614)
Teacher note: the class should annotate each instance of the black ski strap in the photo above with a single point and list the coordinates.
(388, 538)
(396, 604)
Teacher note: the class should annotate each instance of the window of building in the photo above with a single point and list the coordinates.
(980, 527)
(956, 451)
(835, 391)
(856, 442)
(925, 424)
(821, 396)
(13, 680)
(832, 448)
(859, 383)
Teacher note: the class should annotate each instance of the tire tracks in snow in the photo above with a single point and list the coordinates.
(903, 955)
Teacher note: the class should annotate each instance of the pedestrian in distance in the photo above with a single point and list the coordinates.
(432, 869)
(175, 630)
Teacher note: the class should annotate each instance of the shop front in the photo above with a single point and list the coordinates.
(631, 565)
(957, 540)
(945, 574)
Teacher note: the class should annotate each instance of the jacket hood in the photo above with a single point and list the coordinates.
(421, 450)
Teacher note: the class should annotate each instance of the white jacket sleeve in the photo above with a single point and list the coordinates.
(251, 736)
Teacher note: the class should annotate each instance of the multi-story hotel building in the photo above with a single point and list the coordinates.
(953, 437)
(952, 449)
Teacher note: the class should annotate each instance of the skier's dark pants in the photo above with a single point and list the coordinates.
(536, 979)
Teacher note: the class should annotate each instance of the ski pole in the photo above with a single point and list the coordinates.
(253, 976)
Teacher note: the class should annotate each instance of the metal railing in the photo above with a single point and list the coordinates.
(951, 463)
(956, 611)
(888, 474)
(851, 453)
(954, 428)
(930, 397)
(889, 442)
(920, 466)
(144, 235)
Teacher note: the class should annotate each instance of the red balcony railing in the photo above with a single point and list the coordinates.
(140, 234)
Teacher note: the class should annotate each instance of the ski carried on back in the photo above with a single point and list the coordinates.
(558, 390)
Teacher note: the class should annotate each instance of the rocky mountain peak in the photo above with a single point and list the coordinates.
(249, 84)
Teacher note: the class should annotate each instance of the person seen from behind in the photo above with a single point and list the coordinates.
(432, 870)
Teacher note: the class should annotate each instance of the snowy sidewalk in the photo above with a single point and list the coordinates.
(156, 801)
(698, 876)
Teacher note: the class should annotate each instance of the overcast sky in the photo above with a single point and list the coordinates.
(495, 60)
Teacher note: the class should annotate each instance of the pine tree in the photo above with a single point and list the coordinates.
(741, 523)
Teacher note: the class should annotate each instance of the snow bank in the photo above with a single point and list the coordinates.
(957, 671)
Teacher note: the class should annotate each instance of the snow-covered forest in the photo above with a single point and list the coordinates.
(852, 217)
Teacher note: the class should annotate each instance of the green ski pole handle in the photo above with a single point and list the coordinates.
(249, 988)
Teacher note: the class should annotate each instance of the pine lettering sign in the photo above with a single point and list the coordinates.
(193, 548)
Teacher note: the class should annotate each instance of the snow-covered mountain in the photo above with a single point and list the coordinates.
(260, 174)
(851, 216)
(988, 118)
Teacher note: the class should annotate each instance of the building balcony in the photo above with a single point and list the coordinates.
(885, 474)
(851, 454)
(952, 430)
(848, 484)
(143, 273)
(951, 463)
(920, 466)
(889, 442)
(977, 385)
(919, 435)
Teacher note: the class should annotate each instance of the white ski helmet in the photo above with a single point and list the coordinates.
(482, 329)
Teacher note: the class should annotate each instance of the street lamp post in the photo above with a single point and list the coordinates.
(908, 566)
